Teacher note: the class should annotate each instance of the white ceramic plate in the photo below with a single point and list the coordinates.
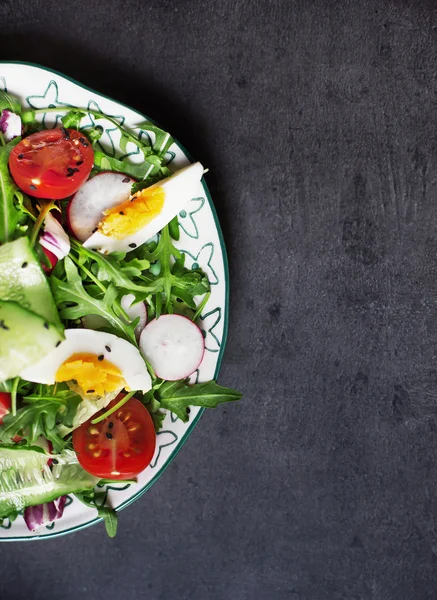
(201, 240)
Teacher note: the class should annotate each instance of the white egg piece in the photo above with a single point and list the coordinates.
(130, 224)
(94, 359)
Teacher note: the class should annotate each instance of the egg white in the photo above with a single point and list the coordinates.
(122, 355)
(179, 188)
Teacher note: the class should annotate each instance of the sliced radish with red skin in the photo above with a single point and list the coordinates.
(173, 345)
(102, 192)
(134, 311)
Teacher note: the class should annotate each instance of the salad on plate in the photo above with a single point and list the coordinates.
(99, 315)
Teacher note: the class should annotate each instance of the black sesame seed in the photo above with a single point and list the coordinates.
(188, 410)
(58, 344)
(24, 265)
(71, 171)
(101, 357)
(3, 326)
(46, 325)
(94, 230)
(32, 187)
(83, 141)
(20, 156)
(132, 245)
(109, 435)
(65, 133)
(125, 180)
(108, 349)
(79, 162)
(90, 392)
(121, 213)
(110, 425)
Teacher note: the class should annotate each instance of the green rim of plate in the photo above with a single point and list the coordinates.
(225, 319)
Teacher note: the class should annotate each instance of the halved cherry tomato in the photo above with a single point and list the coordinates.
(5, 404)
(119, 447)
(53, 259)
(53, 163)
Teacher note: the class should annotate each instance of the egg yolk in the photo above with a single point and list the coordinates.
(133, 214)
(94, 374)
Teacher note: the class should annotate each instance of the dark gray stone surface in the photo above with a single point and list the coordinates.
(318, 122)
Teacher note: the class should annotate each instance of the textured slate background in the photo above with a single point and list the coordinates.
(318, 122)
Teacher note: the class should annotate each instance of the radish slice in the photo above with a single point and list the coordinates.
(100, 193)
(134, 311)
(173, 345)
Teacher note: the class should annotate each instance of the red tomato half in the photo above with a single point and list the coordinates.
(5, 404)
(53, 163)
(119, 447)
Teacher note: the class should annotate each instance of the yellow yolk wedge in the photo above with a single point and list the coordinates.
(93, 376)
(133, 214)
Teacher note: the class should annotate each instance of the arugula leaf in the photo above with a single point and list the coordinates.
(171, 280)
(11, 213)
(73, 118)
(93, 133)
(112, 269)
(173, 228)
(31, 421)
(74, 302)
(96, 500)
(110, 518)
(157, 418)
(103, 162)
(9, 102)
(45, 408)
(177, 396)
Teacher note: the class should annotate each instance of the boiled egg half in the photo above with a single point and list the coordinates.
(120, 221)
(94, 363)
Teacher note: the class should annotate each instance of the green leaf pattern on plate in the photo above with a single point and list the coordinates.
(106, 142)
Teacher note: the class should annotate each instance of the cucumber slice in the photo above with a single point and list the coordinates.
(26, 480)
(24, 338)
(22, 280)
